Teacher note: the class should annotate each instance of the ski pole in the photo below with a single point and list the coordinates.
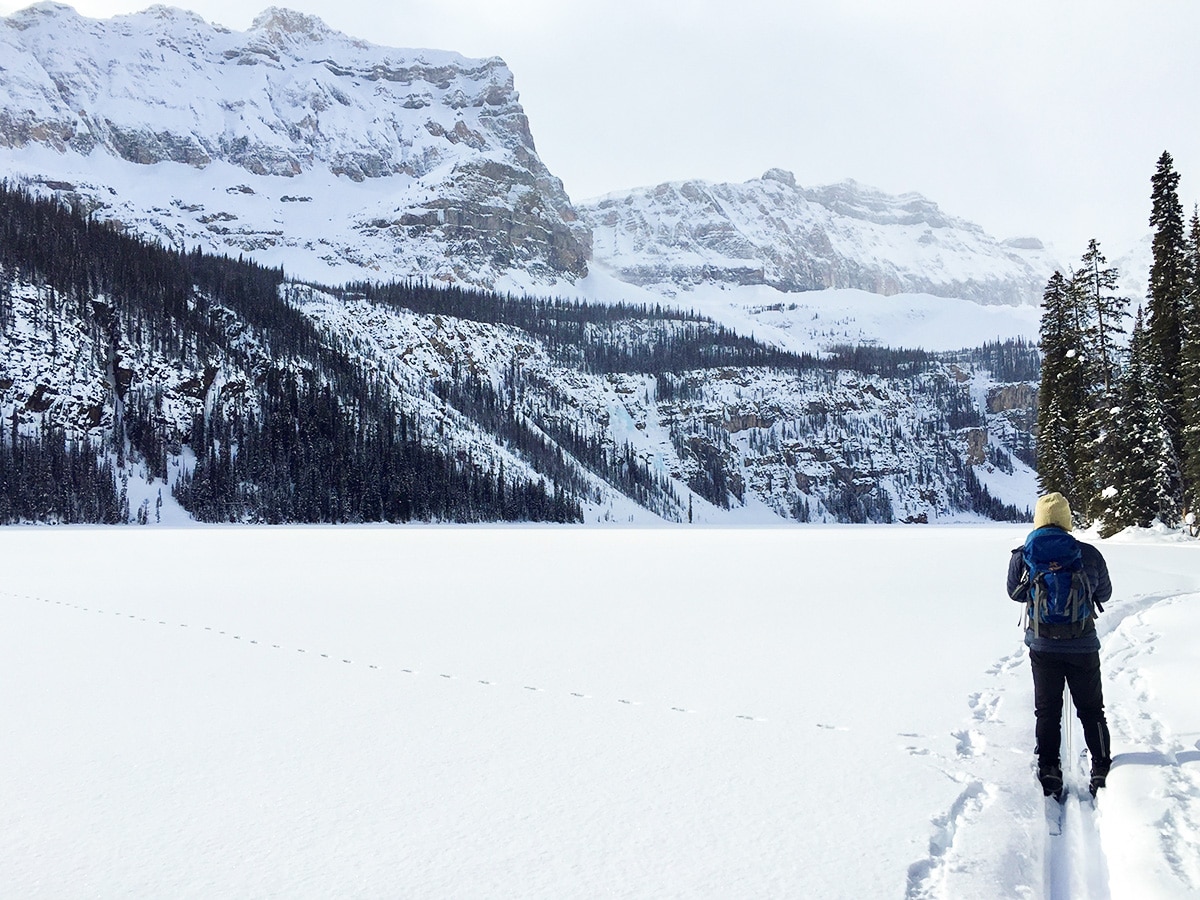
(1067, 750)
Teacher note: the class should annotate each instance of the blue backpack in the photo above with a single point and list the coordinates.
(1059, 592)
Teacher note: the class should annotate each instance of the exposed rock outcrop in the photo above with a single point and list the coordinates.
(428, 133)
(772, 231)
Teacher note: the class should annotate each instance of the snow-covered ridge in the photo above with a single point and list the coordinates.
(287, 112)
(771, 231)
(341, 160)
(286, 95)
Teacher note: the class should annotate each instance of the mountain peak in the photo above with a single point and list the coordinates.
(282, 23)
(847, 235)
(456, 188)
(783, 176)
(31, 15)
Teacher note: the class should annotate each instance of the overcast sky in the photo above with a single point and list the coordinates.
(1030, 117)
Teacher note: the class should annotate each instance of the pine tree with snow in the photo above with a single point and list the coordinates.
(1190, 368)
(1099, 316)
(1102, 312)
(1130, 453)
(1061, 394)
(1166, 295)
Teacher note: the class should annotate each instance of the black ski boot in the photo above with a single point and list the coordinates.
(1099, 775)
(1052, 781)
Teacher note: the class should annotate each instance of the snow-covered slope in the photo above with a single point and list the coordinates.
(290, 142)
(739, 443)
(337, 159)
(791, 445)
(772, 231)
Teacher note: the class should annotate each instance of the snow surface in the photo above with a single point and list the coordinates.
(319, 241)
(814, 321)
(566, 712)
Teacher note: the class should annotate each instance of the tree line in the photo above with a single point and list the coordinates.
(1119, 397)
(45, 477)
(305, 432)
(615, 338)
(312, 437)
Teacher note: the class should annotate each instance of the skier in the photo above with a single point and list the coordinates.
(1052, 569)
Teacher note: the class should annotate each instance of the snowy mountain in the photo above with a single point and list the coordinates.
(291, 142)
(301, 147)
(336, 162)
(771, 231)
(202, 370)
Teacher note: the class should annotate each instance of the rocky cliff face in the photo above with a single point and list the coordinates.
(727, 443)
(180, 360)
(339, 160)
(444, 179)
(774, 232)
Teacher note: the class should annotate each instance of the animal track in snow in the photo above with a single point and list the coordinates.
(482, 681)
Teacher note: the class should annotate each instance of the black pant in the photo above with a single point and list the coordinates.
(1081, 673)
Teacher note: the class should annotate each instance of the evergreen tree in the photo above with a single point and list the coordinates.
(1189, 369)
(1193, 254)
(1099, 315)
(1132, 449)
(1166, 296)
(1102, 313)
(1060, 396)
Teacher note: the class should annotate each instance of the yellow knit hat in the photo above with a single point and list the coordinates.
(1052, 509)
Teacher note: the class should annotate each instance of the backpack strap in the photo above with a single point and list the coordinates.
(1020, 593)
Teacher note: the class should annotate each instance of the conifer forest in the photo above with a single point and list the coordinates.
(1118, 420)
(234, 391)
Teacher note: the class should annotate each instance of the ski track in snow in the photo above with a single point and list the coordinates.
(993, 837)
(1072, 864)
(1162, 762)
(334, 657)
(993, 763)
(925, 876)
(1075, 862)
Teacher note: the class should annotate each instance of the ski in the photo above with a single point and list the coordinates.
(1054, 813)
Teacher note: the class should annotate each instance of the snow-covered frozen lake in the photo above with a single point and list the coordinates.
(435, 712)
